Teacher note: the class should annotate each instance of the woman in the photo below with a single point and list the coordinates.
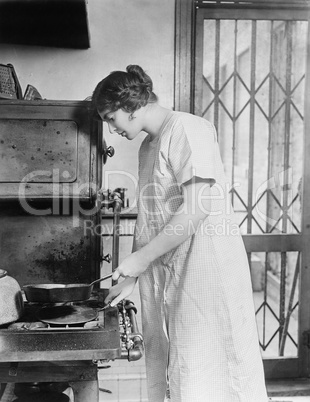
(197, 308)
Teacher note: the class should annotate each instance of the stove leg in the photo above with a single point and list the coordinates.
(85, 391)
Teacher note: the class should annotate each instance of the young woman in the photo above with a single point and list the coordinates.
(197, 308)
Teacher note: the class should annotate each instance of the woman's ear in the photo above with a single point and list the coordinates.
(131, 116)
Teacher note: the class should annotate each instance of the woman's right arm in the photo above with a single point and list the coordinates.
(121, 290)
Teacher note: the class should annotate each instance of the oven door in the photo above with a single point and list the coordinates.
(49, 149)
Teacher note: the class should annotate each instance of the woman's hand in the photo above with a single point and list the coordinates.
(132, 266)
(120, 291)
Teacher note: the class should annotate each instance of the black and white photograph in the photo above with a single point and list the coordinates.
(154, 201)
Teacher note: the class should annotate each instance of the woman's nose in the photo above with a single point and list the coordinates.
(111, 128)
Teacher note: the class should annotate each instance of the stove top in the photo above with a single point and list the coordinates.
(79, 331)
(61, 315)
(73, 332)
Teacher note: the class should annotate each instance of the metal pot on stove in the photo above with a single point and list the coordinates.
(11, 299)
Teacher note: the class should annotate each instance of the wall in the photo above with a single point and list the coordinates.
(121, 32)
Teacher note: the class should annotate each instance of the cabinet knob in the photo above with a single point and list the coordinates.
(107, 258)
(110, 151)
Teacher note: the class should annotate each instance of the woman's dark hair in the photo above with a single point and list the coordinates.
(128, 90)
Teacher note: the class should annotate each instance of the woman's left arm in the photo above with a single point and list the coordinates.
(183, 224)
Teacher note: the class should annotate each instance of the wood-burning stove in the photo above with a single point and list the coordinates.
(51, 158)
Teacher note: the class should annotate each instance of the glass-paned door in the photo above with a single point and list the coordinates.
(250, 79)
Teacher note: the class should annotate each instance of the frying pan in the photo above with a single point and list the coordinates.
(58, 293)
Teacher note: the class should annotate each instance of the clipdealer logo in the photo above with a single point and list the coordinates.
(67, 197)
(64, 196)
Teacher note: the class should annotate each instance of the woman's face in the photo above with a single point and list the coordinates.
(122, 123)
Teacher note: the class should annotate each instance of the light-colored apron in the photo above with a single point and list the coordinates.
(197, 306)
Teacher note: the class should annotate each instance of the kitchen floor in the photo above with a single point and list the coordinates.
(104, 397)
(291, 399)
(134, 390)
(130, 390)
(123, 388)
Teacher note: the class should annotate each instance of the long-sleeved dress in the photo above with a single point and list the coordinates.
(198, 315)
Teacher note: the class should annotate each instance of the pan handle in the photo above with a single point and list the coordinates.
(101, 279)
